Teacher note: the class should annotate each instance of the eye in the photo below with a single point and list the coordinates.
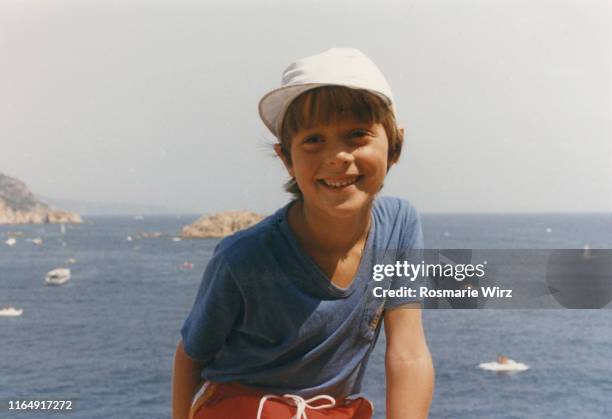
(313, 139)
(358, 133)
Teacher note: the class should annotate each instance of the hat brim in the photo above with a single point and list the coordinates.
(274, 104)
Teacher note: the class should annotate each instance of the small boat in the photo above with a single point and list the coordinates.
(37, 241)
(57, 276)
(187, 265)
(8, 311)
(11, 241)
(508, 366)
(176, 239)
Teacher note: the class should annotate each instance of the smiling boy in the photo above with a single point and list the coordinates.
(285, 311)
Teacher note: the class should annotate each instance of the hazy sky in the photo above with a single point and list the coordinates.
(507, 105)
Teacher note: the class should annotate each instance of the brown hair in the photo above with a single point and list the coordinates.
(327, 104)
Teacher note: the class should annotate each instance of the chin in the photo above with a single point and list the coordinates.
(346, 208)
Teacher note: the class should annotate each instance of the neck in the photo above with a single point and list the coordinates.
(324, 232)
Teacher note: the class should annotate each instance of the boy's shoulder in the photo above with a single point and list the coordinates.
(398, 222)
(251, 240)
(391, 208)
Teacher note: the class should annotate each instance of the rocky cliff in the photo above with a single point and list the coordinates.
(220, 225)
(19, 206)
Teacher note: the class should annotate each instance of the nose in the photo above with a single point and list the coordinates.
(340, 156)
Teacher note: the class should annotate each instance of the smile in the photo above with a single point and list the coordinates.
(340, 183)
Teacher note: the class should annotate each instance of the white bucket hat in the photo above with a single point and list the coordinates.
(347, 67)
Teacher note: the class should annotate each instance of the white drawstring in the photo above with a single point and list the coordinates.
(299, 402)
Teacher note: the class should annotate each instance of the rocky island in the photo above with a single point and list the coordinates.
(220, 225)
(19, 206)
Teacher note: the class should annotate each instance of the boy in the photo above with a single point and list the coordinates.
(285, 310)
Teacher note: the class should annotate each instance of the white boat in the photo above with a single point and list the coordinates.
(176, 239)
(11, 241)
(37, 241)
(8, 311)
(57, 276)
(508, 366)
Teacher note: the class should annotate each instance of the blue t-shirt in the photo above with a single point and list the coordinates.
(266, 316)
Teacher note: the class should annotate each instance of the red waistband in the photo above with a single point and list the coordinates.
(212, 394)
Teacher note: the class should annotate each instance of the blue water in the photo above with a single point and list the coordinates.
(106, 339)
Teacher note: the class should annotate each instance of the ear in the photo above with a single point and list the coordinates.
(279, 152)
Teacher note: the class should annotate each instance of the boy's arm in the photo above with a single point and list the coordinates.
(185, 379)
(408, 364)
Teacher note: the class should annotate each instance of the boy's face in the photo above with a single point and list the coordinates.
(341, 166)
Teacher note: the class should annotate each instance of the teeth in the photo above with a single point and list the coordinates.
(340, 184)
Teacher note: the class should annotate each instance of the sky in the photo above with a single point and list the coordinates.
(507, 105)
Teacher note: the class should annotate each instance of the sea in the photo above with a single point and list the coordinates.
(105, 340)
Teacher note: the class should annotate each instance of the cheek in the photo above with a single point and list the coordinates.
(374, 159)
(302, 167)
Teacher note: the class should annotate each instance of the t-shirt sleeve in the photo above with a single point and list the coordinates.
(410, 249)
(217, 307)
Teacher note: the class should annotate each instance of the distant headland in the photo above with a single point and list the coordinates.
(19, 206)
(220, 225)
